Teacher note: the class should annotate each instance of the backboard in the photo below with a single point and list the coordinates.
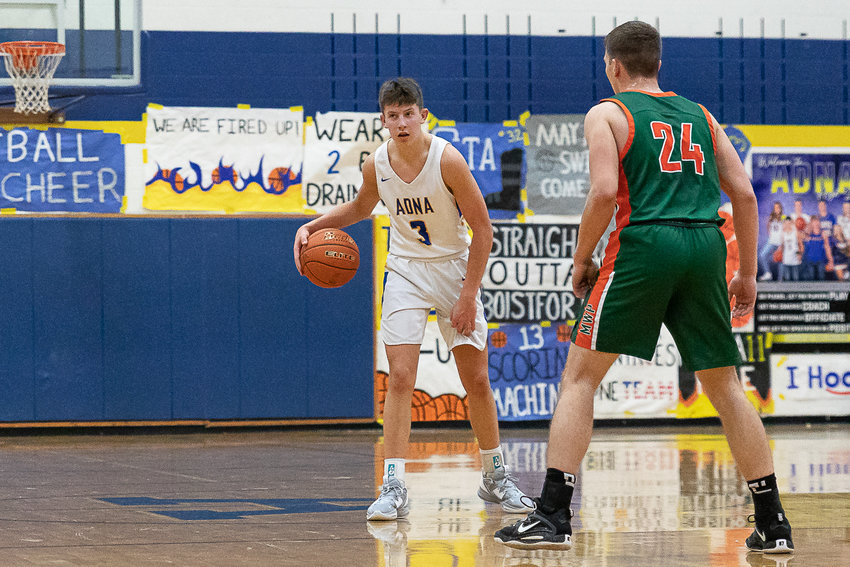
(102, 38)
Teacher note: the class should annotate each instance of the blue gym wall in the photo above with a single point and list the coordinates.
(113, 319)
(472, 78)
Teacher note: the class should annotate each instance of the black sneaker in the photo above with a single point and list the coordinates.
(539, 530)
(772, 535)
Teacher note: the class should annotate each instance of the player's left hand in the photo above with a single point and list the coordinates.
(463, 316)
(743, 289)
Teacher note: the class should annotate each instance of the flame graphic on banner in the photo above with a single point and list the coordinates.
(229, 189)
(277, 182)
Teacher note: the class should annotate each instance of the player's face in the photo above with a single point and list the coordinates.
(404, 121)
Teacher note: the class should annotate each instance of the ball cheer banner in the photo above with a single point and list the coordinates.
(61, 169)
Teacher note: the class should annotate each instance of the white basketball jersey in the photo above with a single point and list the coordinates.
(790, 247)
(425, 221)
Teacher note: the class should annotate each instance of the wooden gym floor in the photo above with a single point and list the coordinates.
(647, 496)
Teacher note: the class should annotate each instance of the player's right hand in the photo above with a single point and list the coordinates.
(584, 277)
(300, 240)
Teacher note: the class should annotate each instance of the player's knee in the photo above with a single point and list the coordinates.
(401, 382)
(477, 385)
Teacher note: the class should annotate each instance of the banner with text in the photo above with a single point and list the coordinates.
(525, 364)
(528, 274)
(808, 384)
(558, 165)
(786, 308)
(804, 214)
(61, 170)
(496, 156)
(224, 159)
(335, 146)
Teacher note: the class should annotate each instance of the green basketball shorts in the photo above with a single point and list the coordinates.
(671, 273)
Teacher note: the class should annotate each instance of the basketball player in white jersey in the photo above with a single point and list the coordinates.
(431, 196)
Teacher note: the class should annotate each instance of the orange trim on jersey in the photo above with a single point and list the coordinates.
(668, 93)
(630, 119)
(710, 126)
(588, 320)
(624, 206)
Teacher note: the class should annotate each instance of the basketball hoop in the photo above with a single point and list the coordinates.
(31, 65)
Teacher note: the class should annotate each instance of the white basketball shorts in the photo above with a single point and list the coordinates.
(412, 288)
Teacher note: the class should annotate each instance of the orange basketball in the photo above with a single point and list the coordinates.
(801, 223)
(224, 174)
(281, 178)
(498, 339)
(174, 178)
(330, 258)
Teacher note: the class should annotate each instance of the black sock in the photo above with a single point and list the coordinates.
(765, 496)
(557, 490)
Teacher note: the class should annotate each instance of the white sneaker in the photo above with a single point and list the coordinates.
(766, 277)
(500, 488)
(391, 504)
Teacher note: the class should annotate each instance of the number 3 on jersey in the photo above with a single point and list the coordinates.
(689, 150)
(420, 227)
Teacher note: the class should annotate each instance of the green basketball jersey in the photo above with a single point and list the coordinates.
(668, 169)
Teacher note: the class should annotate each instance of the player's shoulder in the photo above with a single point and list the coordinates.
(450, 156)
(368, 169)
(605, 112)
(605, 108)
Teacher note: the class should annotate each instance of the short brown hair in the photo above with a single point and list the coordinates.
(402, 90)
(637, 45)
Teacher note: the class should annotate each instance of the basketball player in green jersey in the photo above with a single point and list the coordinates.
(659, 161)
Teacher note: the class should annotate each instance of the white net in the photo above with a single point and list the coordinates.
(31, 65)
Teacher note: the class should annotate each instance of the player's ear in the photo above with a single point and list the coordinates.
(383, 120)
(618, 68)
(424, 115)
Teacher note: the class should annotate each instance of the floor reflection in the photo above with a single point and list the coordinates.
(642, 499)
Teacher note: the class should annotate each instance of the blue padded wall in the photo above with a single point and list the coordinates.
(271, 310)
(170, 319)
(472, 78)
(205, 317)
(17, 375)
(137, 319)
(67, 284)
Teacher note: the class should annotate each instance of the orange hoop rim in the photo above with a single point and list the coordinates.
(32, 48)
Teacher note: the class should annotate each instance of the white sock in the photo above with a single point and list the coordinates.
(492, 460)
(393, 468)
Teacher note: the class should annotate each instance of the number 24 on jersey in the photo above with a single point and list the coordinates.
(689, 150)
